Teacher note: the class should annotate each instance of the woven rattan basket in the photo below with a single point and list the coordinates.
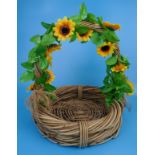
(78, 117)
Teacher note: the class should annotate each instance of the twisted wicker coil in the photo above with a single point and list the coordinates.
(77, 118)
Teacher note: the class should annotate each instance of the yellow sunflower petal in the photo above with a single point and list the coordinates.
(31, 87)
(106, 49)
(53, 48)
(119, 68)
(85, 37)
(112, 26)
(51, 76)
(64, 28)
(131, 86)
(49, 59)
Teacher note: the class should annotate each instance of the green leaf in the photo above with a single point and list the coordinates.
(33, 55)
(42, 79)
(49, 87)
(43, 63)
(96, 39)
(40, 51)
(112, 60)
(110, 36)
(108, 89)
(73, 37)
(27, 76)
(109, 100)
(27, 65)
(83, 11)
(49, 30)
(125, 88)
(107, 80)
(91, 18)
(124, 60)
(100, 21)
(118, 95)
(48, 39)
(45, 25)
(53, 97)
(76, 19)
(36, 39)
(82, 29)
(119, 79)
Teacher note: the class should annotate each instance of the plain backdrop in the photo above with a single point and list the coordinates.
(76, 64)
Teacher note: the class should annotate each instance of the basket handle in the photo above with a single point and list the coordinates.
(93, 26)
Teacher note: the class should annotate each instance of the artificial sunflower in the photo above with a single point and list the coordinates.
(64, 29)
(53, 47)
(51, 76)
(119, 68)
(84, 37)
(131, 86)
(31, 87)
(112, 26)
(50, 49)
(106, 49)
(49, 59)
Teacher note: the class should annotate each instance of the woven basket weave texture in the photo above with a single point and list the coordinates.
(78, 117)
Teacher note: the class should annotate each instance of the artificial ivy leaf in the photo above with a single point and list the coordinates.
(82, 29)
(76, 19)
(43, 63)
(118, 95)
(27, 76)
(41, 50)
(73, 37)
(33, 55)
(96, 39)
(53, 97)
(109, 100)
(45, 25)
(124, 60)
(49, 87)
(27, 65)
(42, 79)
(100, 21)
(108, 80)
(83, 11)
(125, 88)
(119, 78)
(110, 36)
(36, 39)
(112, 60)
(48, 39)
(91, 18)
(108, 70)
(108, 89)
(49, 30)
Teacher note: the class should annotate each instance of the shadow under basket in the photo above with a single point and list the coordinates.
(78, 117)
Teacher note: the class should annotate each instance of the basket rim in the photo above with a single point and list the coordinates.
(84, 86)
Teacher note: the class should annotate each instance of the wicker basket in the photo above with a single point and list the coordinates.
(77, 118)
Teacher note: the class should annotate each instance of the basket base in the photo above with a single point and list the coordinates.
(78, 117)
(78, 110)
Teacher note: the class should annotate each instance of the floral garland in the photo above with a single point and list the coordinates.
(115, 85)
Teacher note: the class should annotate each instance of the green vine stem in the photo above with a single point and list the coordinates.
(37, 70)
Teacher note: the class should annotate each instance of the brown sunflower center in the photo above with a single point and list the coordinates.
(105, 48)
(84, 34)
(65, 30)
